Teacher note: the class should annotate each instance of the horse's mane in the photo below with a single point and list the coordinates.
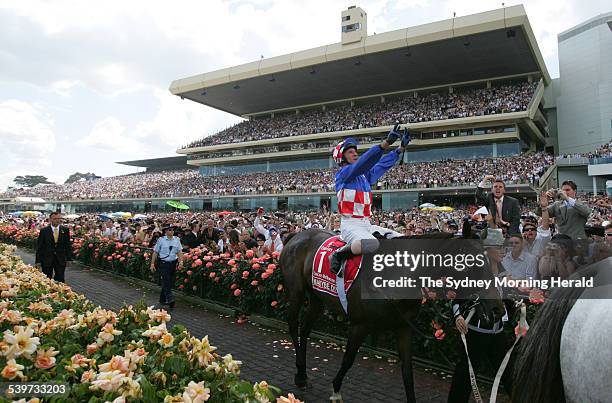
(537, 370)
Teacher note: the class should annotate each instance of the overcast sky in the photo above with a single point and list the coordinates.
(84, 84)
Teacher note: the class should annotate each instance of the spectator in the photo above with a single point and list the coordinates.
(519, 263)
(570, 214)
(505, 210)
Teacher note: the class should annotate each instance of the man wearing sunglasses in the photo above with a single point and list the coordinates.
(536, 238)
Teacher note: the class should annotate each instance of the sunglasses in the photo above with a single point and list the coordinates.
(529, 230)
(609, 234)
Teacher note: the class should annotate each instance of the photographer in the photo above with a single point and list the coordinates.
(570, 214)
(557, 259)
(537, 237)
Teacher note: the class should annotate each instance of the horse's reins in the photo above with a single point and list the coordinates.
(523, 326)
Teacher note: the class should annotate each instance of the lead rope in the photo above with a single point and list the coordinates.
(475, 390)
(523, 326)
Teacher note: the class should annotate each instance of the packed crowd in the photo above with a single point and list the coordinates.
(409, 109)
(264, 234)
(604, 151)
(526, 168)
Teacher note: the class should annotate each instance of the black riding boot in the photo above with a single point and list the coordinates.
(336, 258)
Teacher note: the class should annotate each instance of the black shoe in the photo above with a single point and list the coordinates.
(336, 258)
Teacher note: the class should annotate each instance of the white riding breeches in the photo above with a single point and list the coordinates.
(354, 229)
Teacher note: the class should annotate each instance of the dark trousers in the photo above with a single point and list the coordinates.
(167, 273)
(55, 267)
(481, 346)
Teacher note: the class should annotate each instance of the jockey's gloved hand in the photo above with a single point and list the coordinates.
(394, 134)
(405, 138)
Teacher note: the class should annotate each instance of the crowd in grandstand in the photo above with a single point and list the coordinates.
(525, 168)
(407, 109)
(604, 151)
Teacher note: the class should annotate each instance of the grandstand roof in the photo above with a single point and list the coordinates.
(492, 44)
(160, 163)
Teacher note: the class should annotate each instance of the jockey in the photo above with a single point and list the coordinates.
(353, 181)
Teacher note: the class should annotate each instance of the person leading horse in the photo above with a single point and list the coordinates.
(353, 187)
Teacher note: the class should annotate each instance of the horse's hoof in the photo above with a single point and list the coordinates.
(336, 397)
(300, 381)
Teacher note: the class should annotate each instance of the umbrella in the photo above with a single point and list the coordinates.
(445, 209)
(31, 213)
(482, 210)
(71, 216)
(427, 205)
(121, 214)
(177, 204)
(16, 213)
(222, 213)
(105, 216)
(140, 217)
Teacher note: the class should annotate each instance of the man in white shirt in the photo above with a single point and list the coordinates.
(519, 263)
(273, 240)
(109, 230)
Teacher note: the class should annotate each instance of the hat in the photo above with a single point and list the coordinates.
(168, 227)
(493, 237)
(272, 229)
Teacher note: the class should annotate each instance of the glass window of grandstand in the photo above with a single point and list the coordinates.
(508, 149)
(298, 203)
(400, 200)
(346, 18)
(351, 27)
(320, 163)
(226, 203)
(252, 203)
(463, 152)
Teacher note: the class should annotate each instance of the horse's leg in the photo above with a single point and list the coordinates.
(357, 334)
(404, 349)
(295, 304)
(311, 314)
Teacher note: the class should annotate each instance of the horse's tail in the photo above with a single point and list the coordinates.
(537, 370)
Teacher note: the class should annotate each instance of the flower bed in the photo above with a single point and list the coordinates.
(253, 285)
(51, 334)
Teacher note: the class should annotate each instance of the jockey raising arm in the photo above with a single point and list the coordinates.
(353, 181)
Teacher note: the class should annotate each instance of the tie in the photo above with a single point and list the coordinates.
(498, 203)
(55, 234)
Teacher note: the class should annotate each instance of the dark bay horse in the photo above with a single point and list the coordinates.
(364, 316)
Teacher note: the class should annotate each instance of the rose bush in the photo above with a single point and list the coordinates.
(255, 285)
(50, 333)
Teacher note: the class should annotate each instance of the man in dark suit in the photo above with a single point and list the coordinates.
(192, 238)
(53, 248)
(210, 234)
(504, 209)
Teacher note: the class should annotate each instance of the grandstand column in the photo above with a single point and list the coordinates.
(450, 90)
(594, 185)
(488, 84)
(494, 152)
(382, 99)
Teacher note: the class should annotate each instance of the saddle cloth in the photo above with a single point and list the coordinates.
(322, 278)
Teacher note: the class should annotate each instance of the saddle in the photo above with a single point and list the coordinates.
(323, 279)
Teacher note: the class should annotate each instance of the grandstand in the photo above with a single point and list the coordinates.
(468, 88)
(298, 106)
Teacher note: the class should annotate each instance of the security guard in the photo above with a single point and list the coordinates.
(168, 250)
